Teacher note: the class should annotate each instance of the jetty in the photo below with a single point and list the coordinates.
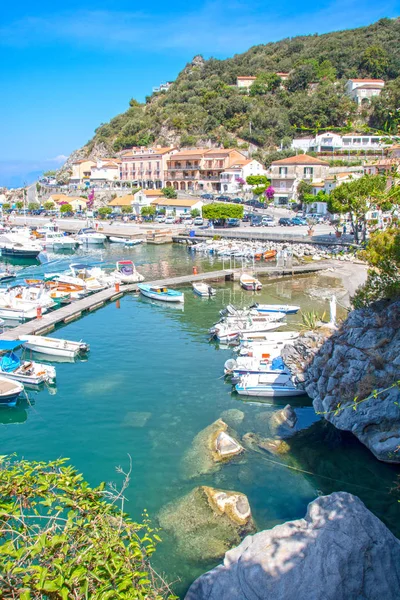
(75, 310)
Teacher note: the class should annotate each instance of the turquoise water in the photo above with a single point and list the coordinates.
(152, 381)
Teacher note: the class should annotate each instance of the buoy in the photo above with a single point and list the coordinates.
(194, 270)
(117, 286)
(38, 312)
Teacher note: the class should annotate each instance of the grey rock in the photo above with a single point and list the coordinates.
(339, 551)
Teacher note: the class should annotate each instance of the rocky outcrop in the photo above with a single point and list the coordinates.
(257, 443)
(207, 522)
(351, 376)
(210, 448)
(339, 551)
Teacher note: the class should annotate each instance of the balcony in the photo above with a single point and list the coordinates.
(184, 168)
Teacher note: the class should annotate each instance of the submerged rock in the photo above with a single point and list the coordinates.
(207, 522)
(287, 416)
(339, 551)
(136, 419)
(273, 445)
(233, 417)
(211, 446)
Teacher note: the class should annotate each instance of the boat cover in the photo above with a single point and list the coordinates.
(10, 362)
(277, 363)
(10, 344)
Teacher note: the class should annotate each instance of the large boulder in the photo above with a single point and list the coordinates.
(210, 448)
(207, 522)
(339, 551)
(353, 378)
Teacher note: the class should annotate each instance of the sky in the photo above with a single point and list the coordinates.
(66, 68)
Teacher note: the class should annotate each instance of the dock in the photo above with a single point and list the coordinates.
(78, 308)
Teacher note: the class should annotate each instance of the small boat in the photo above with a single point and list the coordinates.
(60, 297)
(231, 331)
(269, 254)
(289, 309)
(203, 290)
(125, 241)
(7, 276)
(57, 240)
(25, 371)
(125, 272)
(244, 365)
(268, 386)
(54, 346)
(19, 246)
(250, 283)
(9, 391)
(88, 235)
(161, 293)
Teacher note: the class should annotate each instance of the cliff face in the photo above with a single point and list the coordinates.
(339, 551)
(352, 377)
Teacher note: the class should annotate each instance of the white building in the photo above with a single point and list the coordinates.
(245, 82)
(105, 170)
(230, 177)
(331, 142)
(177, 206)
(362, 90)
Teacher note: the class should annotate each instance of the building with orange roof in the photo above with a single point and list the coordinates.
(200, 168)
(105, 170)
(232, 178)
(145, 167)
(287, 173)
(245, 81)
(362, 90)
(81, 171)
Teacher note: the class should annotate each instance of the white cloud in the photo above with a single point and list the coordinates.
(59, 159)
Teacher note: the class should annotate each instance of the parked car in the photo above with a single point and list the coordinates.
(246, 218)
(256, 221)
(237, 200)
(160, 219)
(233, 222)
(298, 221)
(207, 196)
(198, 221)
(285, 222)
(187, 220)
(268, 221)
(169, 220)
(223, 198)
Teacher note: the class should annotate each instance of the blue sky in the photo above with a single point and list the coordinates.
(65, 69)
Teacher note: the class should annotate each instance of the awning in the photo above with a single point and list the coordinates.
(10, 344)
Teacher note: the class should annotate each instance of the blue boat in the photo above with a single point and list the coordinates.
(161, 293)
(9, 391)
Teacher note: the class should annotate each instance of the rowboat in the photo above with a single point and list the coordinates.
(9, 391)
(289, 309)
(53, 346)
(203, 290)
(25, 371)
(250, 283)
(161, 293)
(267, 386)
(59, 297)
(268, 254)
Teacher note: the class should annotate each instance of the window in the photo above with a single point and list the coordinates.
(346, 141)
(308, 172)
(283, 171)
(282, 185)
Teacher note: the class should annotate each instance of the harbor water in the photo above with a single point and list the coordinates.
(152, 382)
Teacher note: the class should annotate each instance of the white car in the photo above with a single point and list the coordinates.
(160, 219)
(198, 221)
(188, 221)
(169, 220)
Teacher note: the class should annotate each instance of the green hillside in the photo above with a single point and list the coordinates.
(204, 104)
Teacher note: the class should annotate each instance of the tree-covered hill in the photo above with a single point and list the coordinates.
(203, 105)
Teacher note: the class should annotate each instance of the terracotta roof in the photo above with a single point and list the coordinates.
(282, 73)
(367, 80)
(247, 77)
(147, 151)
(300, 159)
(83, 160)
(122, 201)
(193, 153)
(224, 151)
(151, 192)
(175, 202)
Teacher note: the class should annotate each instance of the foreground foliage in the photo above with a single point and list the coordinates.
(62, 539)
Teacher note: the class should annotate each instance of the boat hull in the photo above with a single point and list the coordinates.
(269, 391)
(179, 297)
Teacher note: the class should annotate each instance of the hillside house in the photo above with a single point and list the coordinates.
(287, 173)
(105, 170)
(332, 142)
(81, 171)
(362, 90)
(230, 178)
(245, 82)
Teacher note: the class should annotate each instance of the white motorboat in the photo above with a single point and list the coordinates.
(9, 391)
(47, 228)
(25, 371)
(231, 331)
(267, 385)
(203, 289)
(88, 235)
(57, 240)
(17, 308)
(250, 283)
(243, 365)
(289, 309)
(19, 246)
(125, 241)
(125, 272)
(54, 346)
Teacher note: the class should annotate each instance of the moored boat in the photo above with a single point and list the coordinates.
(9, 391)
(25, 371)
(267, 386)
(161, 293)
(289, 309)
(19, 246)
(7, 276)
(54, 346)
(250, 283)
(269, 254)
(203, 290)
(87, 235)
(125, 272)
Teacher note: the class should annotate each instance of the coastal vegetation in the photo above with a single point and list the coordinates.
(221, 211)
(61, 538)
(204, 104)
